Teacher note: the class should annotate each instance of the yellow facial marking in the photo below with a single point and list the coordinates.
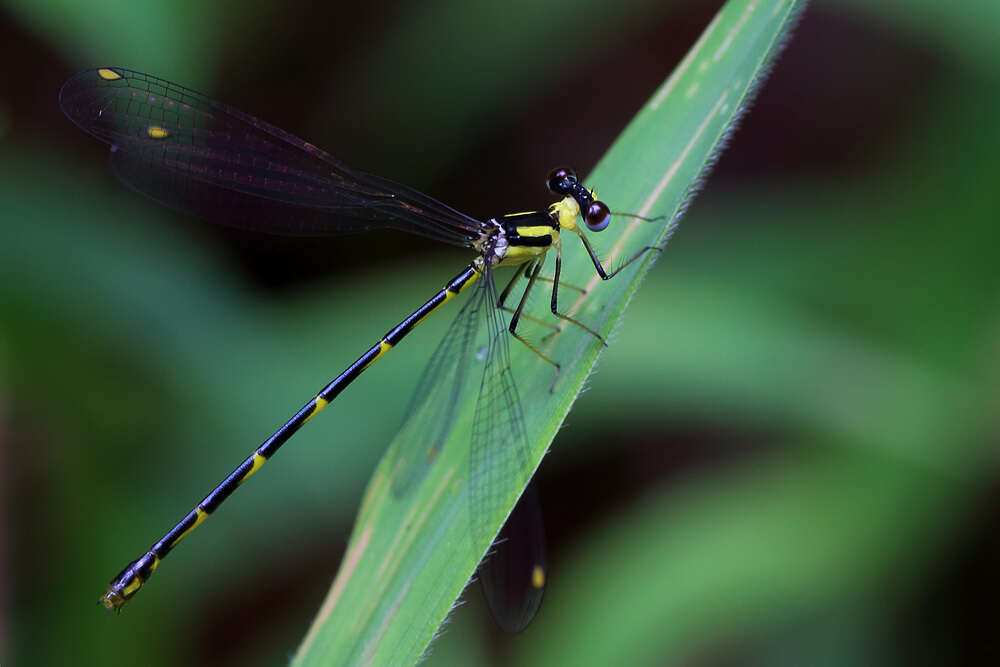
(108, 74)
(538, 577)
(258, 461)
(157, 132)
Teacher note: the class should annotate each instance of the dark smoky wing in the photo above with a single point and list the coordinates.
(513, 573)
(205, 158)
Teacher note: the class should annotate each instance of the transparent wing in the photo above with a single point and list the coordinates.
(498, 458)
(212, 161)
(435, 403)
(476, 344)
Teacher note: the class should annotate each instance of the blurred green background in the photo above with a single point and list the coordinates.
(786, 457)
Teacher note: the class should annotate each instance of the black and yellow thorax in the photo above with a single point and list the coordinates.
(521, 237)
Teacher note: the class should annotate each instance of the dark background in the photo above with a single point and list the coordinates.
(788, 455)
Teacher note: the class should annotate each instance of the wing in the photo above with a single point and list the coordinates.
(498, 458)
(435, 404)
(513, 575)
(207, 159)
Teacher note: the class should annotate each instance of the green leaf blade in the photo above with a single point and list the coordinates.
(410, 558)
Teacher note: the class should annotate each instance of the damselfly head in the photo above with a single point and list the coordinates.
(596, 214)
(562, 181)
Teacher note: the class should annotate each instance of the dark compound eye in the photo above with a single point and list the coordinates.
(561, 180)
(597, 217)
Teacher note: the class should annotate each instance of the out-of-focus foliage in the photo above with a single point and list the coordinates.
(786, 457)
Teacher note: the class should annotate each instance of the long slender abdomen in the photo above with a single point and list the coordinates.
(128, 582)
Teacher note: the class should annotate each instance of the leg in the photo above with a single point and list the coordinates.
(536, 320)
(506, 290)
(597, 262)
(639, 217)
(506, 293)
(517, 274)
(555, 301)
(517, 316)
(562, 284)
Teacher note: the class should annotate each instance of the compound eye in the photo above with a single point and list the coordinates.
(597, 217)
(561, 180)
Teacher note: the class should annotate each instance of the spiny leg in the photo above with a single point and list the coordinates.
(555, 302)
(531, 318)
(600, 271)
(597, 262)
(502, 299)
(563, 284)
(556, 329)
(517, 316)
(506, 293)
(544, 279)
(638, 217)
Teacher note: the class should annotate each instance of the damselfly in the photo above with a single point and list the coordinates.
(212, 161)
